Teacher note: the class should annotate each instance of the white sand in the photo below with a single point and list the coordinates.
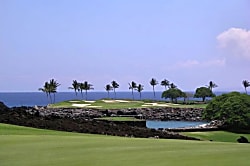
(88, 101)
(109, 101)
(74, 101)
(122, 101)
(154, 104)
(80, 105)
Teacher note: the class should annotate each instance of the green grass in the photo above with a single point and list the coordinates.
(119, 119)
(222, 136)
(21, 146)
(100, 104)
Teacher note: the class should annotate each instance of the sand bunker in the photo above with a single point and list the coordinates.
(80, 105)
(74, 101)
(115, 101)
(122, 101)
(155, 104)
(88, 101)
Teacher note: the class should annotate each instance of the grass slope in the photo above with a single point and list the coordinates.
(222, 136)
(21, 146)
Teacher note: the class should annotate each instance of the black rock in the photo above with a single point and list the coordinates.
(242, 139)
(3, 107)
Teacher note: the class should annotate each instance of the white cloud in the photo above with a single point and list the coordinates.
(196, 63)
(236, 42)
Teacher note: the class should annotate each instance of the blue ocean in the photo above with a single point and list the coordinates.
(16, 99)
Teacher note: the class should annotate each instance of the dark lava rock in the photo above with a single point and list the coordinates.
(242, 139)
(3, 107)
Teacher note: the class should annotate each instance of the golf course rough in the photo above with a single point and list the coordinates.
(23, 146)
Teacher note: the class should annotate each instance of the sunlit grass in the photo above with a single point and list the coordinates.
(222, 136)
(29, 147)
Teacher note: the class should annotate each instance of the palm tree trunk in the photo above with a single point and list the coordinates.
(50, 98)
(133, 93)
(81, 94)
(154, 90)
(54, 97)
(86, 95)
(115, 93)
(47, 96)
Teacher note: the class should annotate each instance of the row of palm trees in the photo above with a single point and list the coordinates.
(51, 86)
(81, 86)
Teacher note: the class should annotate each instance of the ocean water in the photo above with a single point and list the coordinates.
(16, 99)
(40, 99)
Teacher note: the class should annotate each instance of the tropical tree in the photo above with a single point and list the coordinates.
(81, 87)
(165, 83)
(114, 85)
(45, 89)
(173, 94)
(132, 86)
(86, 86)
(49, 88)
(172, 86)
(75, 86)
(53, 84)
(153, 82)
(211, 85)
(232, 108)
(203, 92)
(140, 89)
(108, 88)
(246, 84)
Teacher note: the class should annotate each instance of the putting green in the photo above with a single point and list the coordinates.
(119, 104)
(21, 146)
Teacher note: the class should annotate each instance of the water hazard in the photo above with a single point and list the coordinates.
(152, 124)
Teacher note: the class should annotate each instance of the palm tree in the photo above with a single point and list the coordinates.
(114, 85)
(50, 87)
(153, 82)
(211, 85)
(140, 89)
(75, 86)
(108, 88)
(246, 84)
(165, 83)
(172, 86)
(45, 89)
(86, 86)
(81, 88)
(53, 84)
(132, 86)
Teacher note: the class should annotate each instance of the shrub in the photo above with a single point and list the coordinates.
(232, 108)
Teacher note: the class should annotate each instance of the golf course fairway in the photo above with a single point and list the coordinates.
(22, 146)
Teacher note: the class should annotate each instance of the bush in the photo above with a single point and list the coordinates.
(232, 108)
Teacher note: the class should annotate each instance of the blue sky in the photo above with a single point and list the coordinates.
(188, 43)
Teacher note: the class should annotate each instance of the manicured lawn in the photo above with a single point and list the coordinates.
(28, 147)
(120, 104)
(222, 136)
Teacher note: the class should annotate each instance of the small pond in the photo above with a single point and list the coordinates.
(153, 124)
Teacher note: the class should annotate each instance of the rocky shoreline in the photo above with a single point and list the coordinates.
(166, 113)
(84, 120)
